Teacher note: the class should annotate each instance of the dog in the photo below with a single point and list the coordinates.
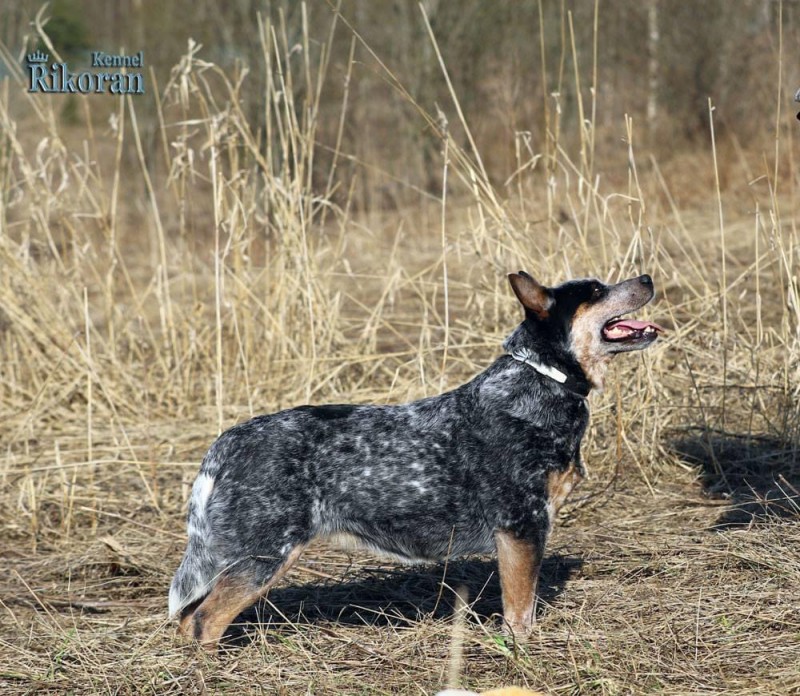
(483, 468)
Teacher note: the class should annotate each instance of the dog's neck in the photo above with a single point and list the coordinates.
(570, 376)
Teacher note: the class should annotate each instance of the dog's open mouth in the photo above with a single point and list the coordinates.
(619, 330)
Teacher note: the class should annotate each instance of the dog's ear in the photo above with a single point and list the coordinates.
(533, 295)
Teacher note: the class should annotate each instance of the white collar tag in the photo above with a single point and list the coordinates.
(525, 356)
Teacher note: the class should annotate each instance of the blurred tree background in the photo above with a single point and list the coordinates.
(512, 64)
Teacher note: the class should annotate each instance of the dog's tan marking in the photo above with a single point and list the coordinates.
(519, 564)
(559, 485)
(229, 598)
(586, 346)
(185, 621)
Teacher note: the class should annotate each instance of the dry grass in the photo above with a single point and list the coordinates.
(143, 308)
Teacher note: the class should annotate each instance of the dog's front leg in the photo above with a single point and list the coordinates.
(519, 560)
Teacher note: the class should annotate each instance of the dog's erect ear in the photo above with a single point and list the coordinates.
(533, 296)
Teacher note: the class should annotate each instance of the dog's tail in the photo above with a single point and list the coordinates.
(198, 571)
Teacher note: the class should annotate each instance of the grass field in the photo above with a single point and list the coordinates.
(156, 290)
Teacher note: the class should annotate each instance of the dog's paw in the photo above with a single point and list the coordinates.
(518, 630)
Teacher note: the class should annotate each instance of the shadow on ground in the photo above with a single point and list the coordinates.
(759, 475)
(396, 597)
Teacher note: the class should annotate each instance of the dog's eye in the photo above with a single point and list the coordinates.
(597, 291)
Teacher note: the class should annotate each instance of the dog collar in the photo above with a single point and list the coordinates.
(580, 387)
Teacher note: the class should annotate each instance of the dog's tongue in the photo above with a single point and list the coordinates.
(626, 327)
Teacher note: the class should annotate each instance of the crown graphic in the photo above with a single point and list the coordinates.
(37, 57)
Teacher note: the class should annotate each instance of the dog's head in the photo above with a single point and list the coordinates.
(584, 318)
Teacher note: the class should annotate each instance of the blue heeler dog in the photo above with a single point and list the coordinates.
(482, 468)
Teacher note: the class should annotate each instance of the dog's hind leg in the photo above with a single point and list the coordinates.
(236, 590)
(519, 561)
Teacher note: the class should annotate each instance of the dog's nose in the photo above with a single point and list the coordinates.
(646, 280)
